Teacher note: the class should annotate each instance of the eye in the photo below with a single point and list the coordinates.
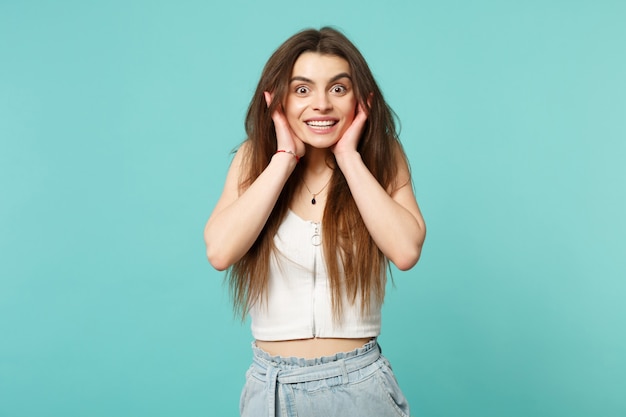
(301, 90)
(339, 89)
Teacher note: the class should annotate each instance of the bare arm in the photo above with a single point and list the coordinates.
(237, 219)
(393, 219)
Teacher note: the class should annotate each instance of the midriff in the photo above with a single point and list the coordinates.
(310, 348)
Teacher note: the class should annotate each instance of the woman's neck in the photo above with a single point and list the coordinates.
(317, 162)
(309, 199)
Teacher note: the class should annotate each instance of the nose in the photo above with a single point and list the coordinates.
(321, 102)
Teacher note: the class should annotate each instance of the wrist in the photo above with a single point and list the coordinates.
(285, 159)
(288, 152)
(345, 157)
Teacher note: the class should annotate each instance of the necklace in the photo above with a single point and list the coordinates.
(313, 201)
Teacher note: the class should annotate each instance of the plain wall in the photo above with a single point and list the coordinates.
(117, 122)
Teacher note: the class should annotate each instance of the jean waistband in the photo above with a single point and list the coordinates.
(296, 370)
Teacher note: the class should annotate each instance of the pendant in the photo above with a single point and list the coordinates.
(316, 239)
(313, 200)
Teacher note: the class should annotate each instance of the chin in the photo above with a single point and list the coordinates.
(323, 143)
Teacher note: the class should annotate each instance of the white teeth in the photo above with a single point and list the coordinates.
(320, 123)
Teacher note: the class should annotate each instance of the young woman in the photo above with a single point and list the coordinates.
(318, 200)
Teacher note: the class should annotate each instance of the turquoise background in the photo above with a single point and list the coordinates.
(117, 120)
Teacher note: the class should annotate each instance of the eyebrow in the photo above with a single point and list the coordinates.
(332, 80)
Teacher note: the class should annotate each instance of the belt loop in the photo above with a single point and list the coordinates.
(344, 371)
(272, 377)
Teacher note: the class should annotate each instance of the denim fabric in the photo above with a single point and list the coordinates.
(358, 383)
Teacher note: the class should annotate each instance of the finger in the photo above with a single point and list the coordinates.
(362, 114)
(365, 109)
(276, 115)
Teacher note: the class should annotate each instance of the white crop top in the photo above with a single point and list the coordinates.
(298, 304)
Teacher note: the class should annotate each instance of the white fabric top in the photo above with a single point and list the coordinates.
(298, 299)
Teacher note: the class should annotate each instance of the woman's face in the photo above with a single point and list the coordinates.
(320, 103)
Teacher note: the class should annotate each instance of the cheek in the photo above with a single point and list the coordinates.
(293, 111)
(350, 111)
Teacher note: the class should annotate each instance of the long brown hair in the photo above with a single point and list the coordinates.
(356, 267)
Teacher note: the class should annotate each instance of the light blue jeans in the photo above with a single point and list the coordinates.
(358, 383)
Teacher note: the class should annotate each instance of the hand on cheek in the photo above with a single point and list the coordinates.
(350, 139)
(285, 138)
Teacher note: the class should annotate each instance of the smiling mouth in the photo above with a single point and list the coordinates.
(321, 124)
